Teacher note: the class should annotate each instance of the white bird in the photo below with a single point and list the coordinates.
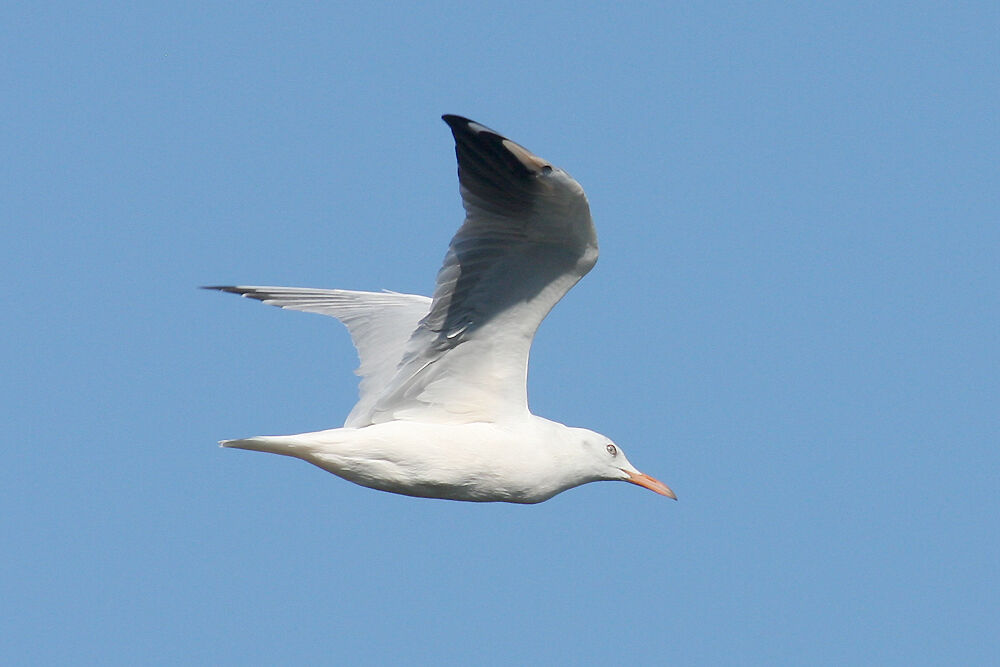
(443, 407)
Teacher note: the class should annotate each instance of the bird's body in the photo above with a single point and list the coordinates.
(443, 409)
(477, 461)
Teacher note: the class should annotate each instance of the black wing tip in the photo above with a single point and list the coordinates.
(460, 125)
(485, 161)
(248, 292)
(456, 121)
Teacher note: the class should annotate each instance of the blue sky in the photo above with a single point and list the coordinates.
(794, 323)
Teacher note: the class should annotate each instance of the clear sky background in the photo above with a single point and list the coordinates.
(794, 323)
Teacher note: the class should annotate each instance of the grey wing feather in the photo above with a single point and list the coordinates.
(380, 324)
(528, 237)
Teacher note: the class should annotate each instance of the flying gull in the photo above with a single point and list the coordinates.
(443, 408)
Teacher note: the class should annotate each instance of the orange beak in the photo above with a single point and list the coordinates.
(648, 482)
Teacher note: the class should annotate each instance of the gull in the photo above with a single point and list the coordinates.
(443, 407)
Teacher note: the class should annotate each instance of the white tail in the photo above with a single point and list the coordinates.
(272, 444)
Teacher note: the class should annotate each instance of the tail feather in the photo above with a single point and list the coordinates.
(272, 444)
(301, 445)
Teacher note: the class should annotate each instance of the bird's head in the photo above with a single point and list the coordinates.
(606, 461)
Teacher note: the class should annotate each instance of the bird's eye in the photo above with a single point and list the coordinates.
(547, 169)
(612, 450)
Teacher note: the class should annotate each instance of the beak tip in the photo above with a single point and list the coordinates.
(667, 491)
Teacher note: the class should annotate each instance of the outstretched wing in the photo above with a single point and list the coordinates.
(527, 239)
(380, 324)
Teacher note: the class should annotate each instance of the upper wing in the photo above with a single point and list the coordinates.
(380, 323)
(527, 239)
